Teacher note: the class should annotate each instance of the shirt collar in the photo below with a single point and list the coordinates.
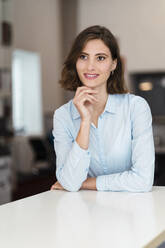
(74, 111)
(111, 106)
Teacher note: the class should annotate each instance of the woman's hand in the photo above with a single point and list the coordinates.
(84, 98)
(89, 183)
(56, 185)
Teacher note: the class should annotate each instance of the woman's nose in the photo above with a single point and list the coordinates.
(91, 65)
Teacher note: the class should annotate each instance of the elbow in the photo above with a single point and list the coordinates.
(142, 189)
(71, 188)
(144, 186)
(148, 183)
(68, 185)
(147, 188)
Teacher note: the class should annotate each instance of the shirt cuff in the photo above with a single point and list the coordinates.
(80, 151)
(100, 183)
(80, 157)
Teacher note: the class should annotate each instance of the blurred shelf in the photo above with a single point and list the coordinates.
(5, 94)
(160, 149)
(31, 184)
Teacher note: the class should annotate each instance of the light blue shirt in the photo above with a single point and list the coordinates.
(121, 149)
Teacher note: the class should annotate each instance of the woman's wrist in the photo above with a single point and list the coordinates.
(86, 121)
(83, 135)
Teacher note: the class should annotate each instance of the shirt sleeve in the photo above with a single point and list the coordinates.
(72, 162)
(141, 174)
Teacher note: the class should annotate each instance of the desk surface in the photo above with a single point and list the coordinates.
(84, 219)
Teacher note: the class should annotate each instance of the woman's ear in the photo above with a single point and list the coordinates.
(114, 64)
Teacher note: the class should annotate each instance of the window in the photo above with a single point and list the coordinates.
(26, 93)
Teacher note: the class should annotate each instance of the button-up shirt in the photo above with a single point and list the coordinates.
(121, 149)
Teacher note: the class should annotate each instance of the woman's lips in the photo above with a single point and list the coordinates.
(90, 76)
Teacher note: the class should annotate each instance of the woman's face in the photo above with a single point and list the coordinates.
(95, 64)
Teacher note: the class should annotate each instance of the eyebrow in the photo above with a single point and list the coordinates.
(97, 54)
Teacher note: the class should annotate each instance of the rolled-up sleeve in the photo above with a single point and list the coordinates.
(141, 174)
(72, 162)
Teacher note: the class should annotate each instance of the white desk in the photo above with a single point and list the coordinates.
(60, 219)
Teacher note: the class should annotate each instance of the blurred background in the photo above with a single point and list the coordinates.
(35, 37)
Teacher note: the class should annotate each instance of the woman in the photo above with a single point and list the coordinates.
(103, 137)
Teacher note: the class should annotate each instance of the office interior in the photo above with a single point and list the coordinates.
(35, 37)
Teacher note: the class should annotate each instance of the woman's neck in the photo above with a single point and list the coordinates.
(102, 100)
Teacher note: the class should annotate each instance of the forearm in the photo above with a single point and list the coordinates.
(83, 135)
(73, 160)
(72, 169)
(129, 181)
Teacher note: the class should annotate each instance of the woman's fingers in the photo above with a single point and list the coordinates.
(89, 98)
(87, 92)
(52, 187)
(83, 94)
(56, 185)
(84, 89)
(82, 102)
(85, 97)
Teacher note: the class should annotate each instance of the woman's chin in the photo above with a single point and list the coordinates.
(89, 84)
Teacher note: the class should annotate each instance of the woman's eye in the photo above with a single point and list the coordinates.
(83, 57)
(100, 58)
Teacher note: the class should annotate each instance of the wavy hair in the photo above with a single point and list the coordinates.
(69, 77)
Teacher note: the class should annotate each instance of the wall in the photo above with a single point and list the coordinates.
(37, 27)
(6, 14)
(69, 29)
(139, 25)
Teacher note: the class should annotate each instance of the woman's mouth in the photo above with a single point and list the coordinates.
(90, 76)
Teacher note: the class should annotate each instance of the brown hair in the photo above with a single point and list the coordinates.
(69, 77)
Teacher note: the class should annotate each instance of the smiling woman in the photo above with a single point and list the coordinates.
(103, 137)
(95, 64)
(105, 41)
